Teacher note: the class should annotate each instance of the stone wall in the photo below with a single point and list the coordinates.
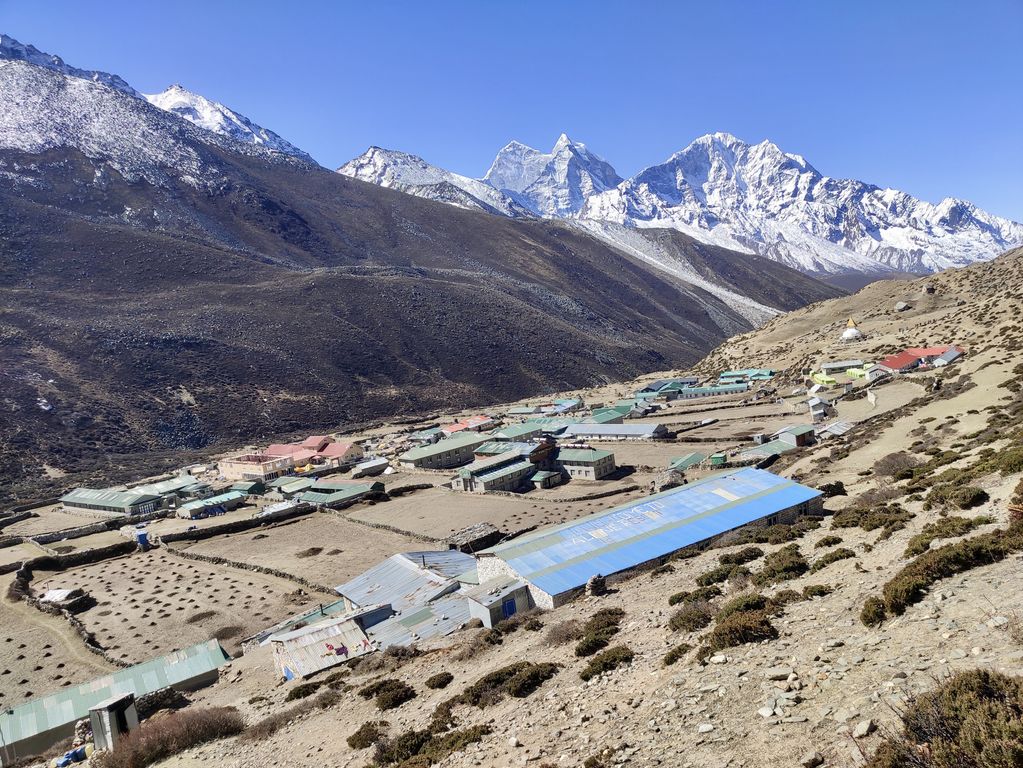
(236, 526)
(217, 560)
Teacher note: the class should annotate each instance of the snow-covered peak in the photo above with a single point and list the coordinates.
(551, 184)
(214, 116)
(759, 198)
(413, 175)
(11, 49)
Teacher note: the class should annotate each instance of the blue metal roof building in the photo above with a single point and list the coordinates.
(557, 561)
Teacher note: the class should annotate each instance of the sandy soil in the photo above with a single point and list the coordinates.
(39, 653)
(147, 604)
(48, 520)
(346, 548)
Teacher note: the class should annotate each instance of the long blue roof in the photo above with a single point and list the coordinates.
(563, 557)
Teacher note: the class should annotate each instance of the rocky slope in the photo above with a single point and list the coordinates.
(826, 689)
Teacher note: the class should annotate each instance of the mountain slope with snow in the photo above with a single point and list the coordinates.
(766, 201)
(196, 109)
(214, 116)
(413, 175)
(555, 184)
(12, 50)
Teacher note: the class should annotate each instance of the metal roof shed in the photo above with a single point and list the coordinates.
(559, 560)
(407, 580)
(37, 724)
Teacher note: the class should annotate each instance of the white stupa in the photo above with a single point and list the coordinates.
(851, 332)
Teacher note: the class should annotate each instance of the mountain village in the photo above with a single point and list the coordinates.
(763, 503)
(473, 520)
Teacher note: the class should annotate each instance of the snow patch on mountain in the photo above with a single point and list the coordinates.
(12, 50)
(413, 175)
(214, 116)
(632, 242)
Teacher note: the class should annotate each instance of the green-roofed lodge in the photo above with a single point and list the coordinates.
(450, 452)
(116, 502)
(586, 463)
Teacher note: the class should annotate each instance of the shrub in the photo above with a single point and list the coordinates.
(772, 534)
(440, 680)
(418, 749)
(719, 574)
(302, 690)
(973, 720)
(738, 629)
(831, 490)
(873, 612)
(367, 735)
(896, 465)
(529, 679)
(677, 653)
(828, 541)
(603, 662)
(743, 556)
(598, 631)
(817, 590)
(909, 585)
(842, 553)
(662, 570)
(521, 619)
(519, 679)
(742, 604)
(943, 528)
(955, 495)
(889, 517)
(786, 596)
(156, 740)
(388, 693)
(477, 643)
(701, 593)
(565, 632)
(786, 563)
(691, 617)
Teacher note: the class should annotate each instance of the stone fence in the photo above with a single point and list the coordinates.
(217, 560)
(236, 526)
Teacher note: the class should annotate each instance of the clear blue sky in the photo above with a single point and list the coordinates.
(922, 96)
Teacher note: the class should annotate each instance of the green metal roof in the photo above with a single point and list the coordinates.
(798, 429)
(582, 454)
(687, 461)
(214, 501)
(459, 440)
(64, 707)
(605, 417)
(774, 447)
(122, 499)
(331, 493)
(513, 431)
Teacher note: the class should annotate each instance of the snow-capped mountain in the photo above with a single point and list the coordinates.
(415, 176)
(12, 50)
(758, 198)
(198, 110)
(723, 191)
(555, 184)
(215, 117)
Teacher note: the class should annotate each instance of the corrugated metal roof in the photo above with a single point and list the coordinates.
(111, 498)
(435, 619)
(494, 590)
(460, 440)
(213, 501)
(632, 430)
(687, 461)
(325, 644)
(513, 431)
(67, 706)
(581, 455)
(562, 558)
(408, 579)
(771, 448)
(504, 471)
(495, 447)
(165, 487)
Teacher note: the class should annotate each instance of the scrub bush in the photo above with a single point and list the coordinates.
(610, 659)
